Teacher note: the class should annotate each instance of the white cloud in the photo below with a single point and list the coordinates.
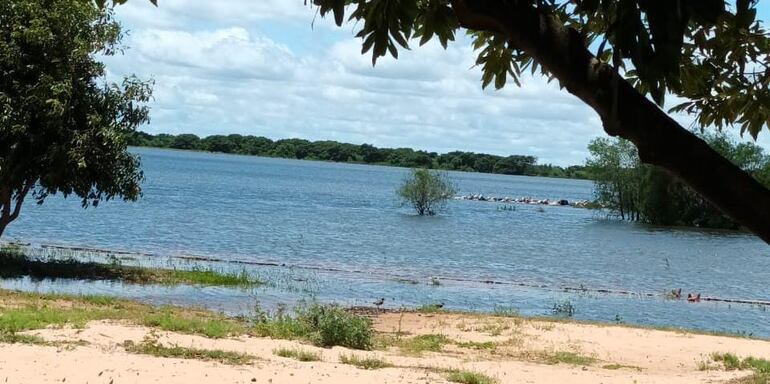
(224, 67)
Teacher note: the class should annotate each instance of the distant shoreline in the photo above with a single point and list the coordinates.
(332, 151)
(341, 162)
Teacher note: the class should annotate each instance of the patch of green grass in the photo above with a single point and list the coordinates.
(429, 308)
(322, 325)
(616, 366)
(490, 345)
(153, 348)
(13, 263)
(297, 354)
(733, 362)
(729, 360)
(210, 326)
(27, 311)
(568, 358)
(754, 378)
(468, 377)
(364, 362)
(38, 317)
(423, 343)
(16, 338)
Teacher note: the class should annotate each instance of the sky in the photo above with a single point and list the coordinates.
(271, 68)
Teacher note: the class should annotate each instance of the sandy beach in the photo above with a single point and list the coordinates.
(507, 349)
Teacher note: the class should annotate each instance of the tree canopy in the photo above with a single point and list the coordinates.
(640, 192)
(62, 124)
(622, 58)
(327, 150)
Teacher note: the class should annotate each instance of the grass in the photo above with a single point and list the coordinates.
(28, 311)
(568, 358)
(364, 362)
(615, 366)
(733, 362)
(13, 263)
(153, 348)
(15, 338)
(297, 354)
(468, 377)
(423, 343)
(489, 345)
(756, 378)
(429, 308)
(321, 325)
(169, 319)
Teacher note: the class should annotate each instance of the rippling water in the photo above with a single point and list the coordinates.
(343, 237)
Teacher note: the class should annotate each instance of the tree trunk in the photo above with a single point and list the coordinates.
(624, 111)
(7, 197)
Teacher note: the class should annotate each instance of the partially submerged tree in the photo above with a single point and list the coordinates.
(620, 57)
(62, 125)
(426, 191)
(642, 192)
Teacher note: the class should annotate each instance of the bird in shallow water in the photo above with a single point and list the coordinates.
(676, 293)
(693, 299)
(379, 302)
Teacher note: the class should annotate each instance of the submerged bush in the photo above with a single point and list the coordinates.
(426, 191)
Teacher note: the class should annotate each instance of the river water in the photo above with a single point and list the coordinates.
(337, 233)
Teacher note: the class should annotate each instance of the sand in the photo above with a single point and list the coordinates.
(520, 355)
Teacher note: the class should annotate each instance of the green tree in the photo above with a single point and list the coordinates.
(619, 57)
(219, 143)
(427, 191)
(63, 127)
(186, 141)
(615, 167)
(643, 192)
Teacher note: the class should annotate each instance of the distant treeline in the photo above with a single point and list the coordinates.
(352, 153)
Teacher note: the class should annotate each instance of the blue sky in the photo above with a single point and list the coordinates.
(270, 68)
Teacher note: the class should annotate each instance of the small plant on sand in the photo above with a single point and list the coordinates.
(563, 309)
(364, 362)
(488, 345)
(150, 346)
(322, 325)
(297, 354)
(568, 358)
(423, 343)
(168, 319)
(733, 362)
(468, 377)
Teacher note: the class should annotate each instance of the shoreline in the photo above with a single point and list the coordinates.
(410, 347)
(400, 278)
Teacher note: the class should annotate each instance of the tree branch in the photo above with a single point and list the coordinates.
(20, 199)
(624, 111)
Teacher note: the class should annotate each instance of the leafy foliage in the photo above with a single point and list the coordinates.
(426, 191)
(712, 54)
(62, 125)
(322, 325)
(642, 192)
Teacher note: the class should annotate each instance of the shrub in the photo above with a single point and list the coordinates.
(322, 325)
(426, 191)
